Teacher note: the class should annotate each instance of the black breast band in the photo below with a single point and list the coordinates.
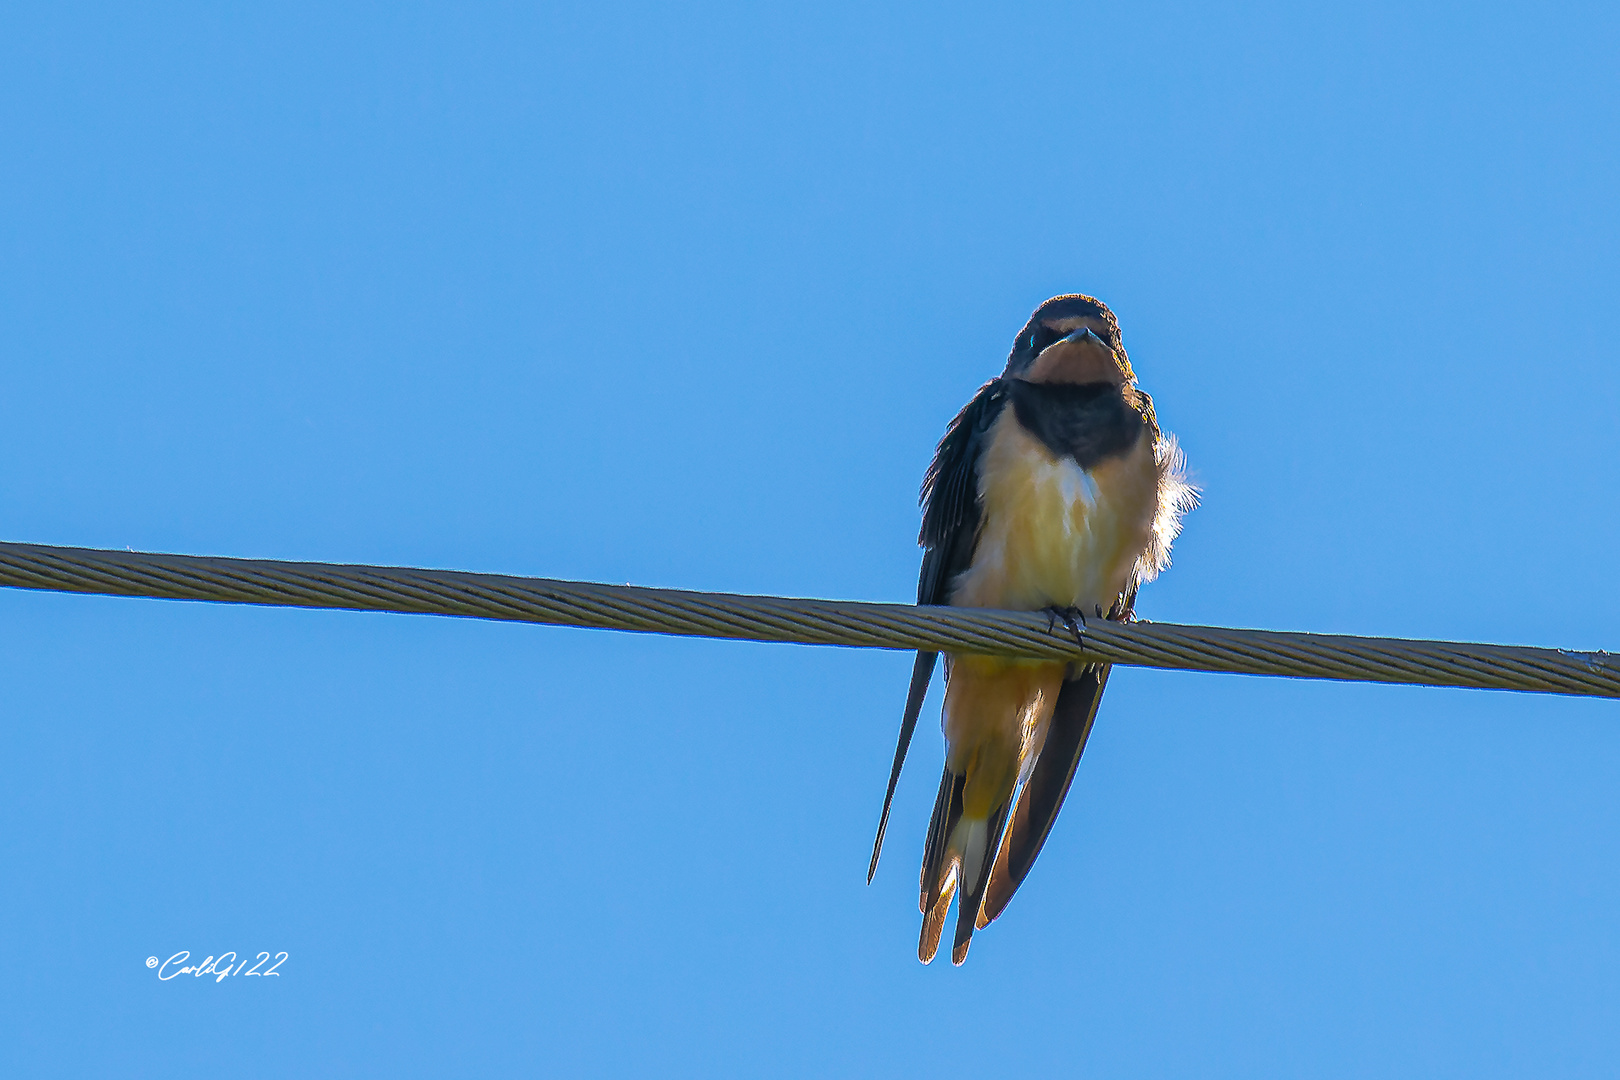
(1089, 422)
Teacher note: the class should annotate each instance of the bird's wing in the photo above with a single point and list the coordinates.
(950, 528)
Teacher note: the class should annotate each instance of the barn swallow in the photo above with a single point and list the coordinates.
(1053, 490)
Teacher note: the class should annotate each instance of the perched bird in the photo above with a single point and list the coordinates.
(1055, 490)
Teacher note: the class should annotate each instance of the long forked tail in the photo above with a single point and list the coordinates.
(921, 672)
(1043, 794)
(956, 859)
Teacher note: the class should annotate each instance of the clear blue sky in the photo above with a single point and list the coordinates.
(684, 296)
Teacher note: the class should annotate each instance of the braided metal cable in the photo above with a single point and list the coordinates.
(805, 622)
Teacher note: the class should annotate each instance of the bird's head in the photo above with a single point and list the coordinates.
(1070, 339)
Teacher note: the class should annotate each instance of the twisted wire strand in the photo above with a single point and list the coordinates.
(805, 622)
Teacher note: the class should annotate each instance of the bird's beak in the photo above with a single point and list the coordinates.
(1084, 336)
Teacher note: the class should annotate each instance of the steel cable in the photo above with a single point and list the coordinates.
(805, 622)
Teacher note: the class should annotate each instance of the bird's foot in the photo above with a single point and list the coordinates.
(1121, 612)
(1072, 618)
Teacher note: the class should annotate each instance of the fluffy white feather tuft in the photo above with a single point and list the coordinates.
(1176, 496)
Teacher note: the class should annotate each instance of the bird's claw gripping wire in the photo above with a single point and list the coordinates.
(1072, 618)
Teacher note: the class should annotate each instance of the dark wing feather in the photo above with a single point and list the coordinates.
(950, 494)
(950, 528)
